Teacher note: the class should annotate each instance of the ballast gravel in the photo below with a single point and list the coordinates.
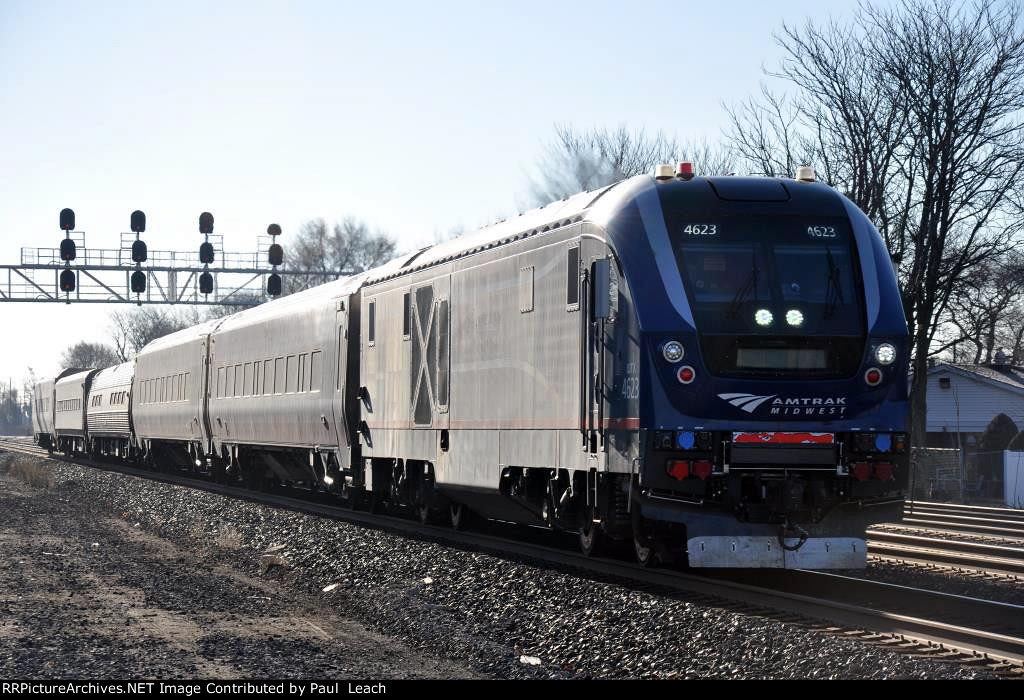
(85, 595)
(500, 617)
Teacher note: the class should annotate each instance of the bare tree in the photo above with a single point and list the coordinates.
(133, 330)
(345, 248)
(89, 356)
(15, 413)
(985, 310)
(578, 161)
(913, 111)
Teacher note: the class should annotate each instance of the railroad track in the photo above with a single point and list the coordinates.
(965, 538)
(982, 520)
(910, 620)
(966, 554)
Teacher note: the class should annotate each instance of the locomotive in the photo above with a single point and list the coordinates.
(706, 367)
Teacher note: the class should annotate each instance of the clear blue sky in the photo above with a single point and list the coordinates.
(418, 117)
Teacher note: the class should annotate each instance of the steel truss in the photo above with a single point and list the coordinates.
(103, 275)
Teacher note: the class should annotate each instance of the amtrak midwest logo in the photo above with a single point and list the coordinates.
(793, 406)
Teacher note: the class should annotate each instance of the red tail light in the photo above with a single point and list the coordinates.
(883, 471)
(861, 471)
(702, 469)
(678, 469)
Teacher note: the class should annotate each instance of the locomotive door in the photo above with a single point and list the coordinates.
(339, 405)
(430, 330)
(593, 314)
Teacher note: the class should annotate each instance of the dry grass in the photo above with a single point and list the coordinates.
(229, 538)
(30, 472)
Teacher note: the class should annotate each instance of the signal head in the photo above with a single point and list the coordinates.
(274, 285)
(67, 281)
(138, 282)
(206, 222)
(275, 254)
(138, 222)
(67, 220)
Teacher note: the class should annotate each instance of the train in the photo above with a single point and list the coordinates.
(706, 368)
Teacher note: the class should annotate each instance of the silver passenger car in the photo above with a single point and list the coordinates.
(43, 409)
(279, 377)
(169, 393)
(42, 413)
(70, 396)
(107, 416)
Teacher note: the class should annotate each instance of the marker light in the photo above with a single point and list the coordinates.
(686, 375)
(873, 376)
(794, 317)
(861, 471)
(805, 173)
(883, 471)
(663, 171)
(673, 351)
(702, 469)
(678, 469)
(763, 317)
(885, 354)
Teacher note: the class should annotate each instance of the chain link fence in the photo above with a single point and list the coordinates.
(952, 474)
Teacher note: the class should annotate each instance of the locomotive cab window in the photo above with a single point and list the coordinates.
(774, 296)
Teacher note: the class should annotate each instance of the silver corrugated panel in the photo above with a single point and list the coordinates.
(109, 423)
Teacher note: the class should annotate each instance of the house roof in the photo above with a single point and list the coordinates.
(1009, 377)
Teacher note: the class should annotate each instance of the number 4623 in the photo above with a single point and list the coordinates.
(701, 229)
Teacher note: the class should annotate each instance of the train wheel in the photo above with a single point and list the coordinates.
(644, 545)
(644, 550)
(375, 503)
(591, 538)
(459, 515)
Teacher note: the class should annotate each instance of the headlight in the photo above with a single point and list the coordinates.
(673, 351)
(885, 354)
(794, 317)
(763, 317)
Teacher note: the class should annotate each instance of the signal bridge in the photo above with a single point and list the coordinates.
(131, 274)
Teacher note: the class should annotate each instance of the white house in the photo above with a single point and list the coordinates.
(962, 399)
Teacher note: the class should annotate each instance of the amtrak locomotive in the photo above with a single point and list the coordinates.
(712, 368)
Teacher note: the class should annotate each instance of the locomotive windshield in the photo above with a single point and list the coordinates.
(773, 294)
